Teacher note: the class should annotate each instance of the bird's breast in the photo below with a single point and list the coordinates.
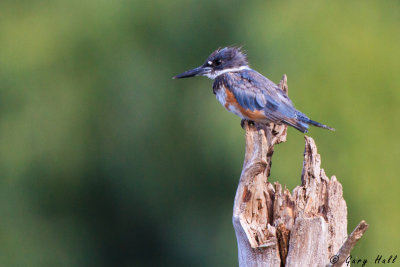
(228, 100)
(221, 95)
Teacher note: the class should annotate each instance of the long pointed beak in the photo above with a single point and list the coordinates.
(194, 72)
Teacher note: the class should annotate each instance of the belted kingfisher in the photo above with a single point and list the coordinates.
(248, 94)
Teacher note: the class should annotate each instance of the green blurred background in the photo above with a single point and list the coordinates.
(107, 161)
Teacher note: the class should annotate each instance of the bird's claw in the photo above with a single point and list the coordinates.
(249, 122)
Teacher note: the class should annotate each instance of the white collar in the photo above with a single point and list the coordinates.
(213, 75)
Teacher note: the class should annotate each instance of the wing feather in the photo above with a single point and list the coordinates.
(255, 92)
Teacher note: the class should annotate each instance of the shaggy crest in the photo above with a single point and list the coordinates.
(233, 56)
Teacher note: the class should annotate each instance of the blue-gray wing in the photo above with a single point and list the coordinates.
(255, 92)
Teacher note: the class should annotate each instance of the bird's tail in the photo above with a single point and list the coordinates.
(303, 118)
(320, 125)
(299, 125)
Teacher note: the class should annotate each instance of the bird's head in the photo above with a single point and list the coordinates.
(228, 59)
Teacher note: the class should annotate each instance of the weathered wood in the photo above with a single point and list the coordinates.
(351, 241)
(276, 228)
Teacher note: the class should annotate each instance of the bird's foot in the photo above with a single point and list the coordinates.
(248, 122)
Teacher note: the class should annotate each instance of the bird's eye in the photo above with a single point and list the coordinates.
(218, 62)
(209, 63)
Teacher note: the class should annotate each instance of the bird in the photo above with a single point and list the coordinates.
(247, 93)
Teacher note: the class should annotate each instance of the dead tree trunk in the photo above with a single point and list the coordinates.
(277, 228)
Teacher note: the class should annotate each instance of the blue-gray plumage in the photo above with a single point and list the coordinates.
(247, 93)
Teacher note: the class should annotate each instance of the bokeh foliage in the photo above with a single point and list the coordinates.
(107, 161)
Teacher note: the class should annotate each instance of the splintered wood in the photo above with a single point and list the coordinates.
(276, 228)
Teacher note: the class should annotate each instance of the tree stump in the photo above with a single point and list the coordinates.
(277, 228)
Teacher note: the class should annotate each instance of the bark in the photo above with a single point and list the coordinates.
(275, 227)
